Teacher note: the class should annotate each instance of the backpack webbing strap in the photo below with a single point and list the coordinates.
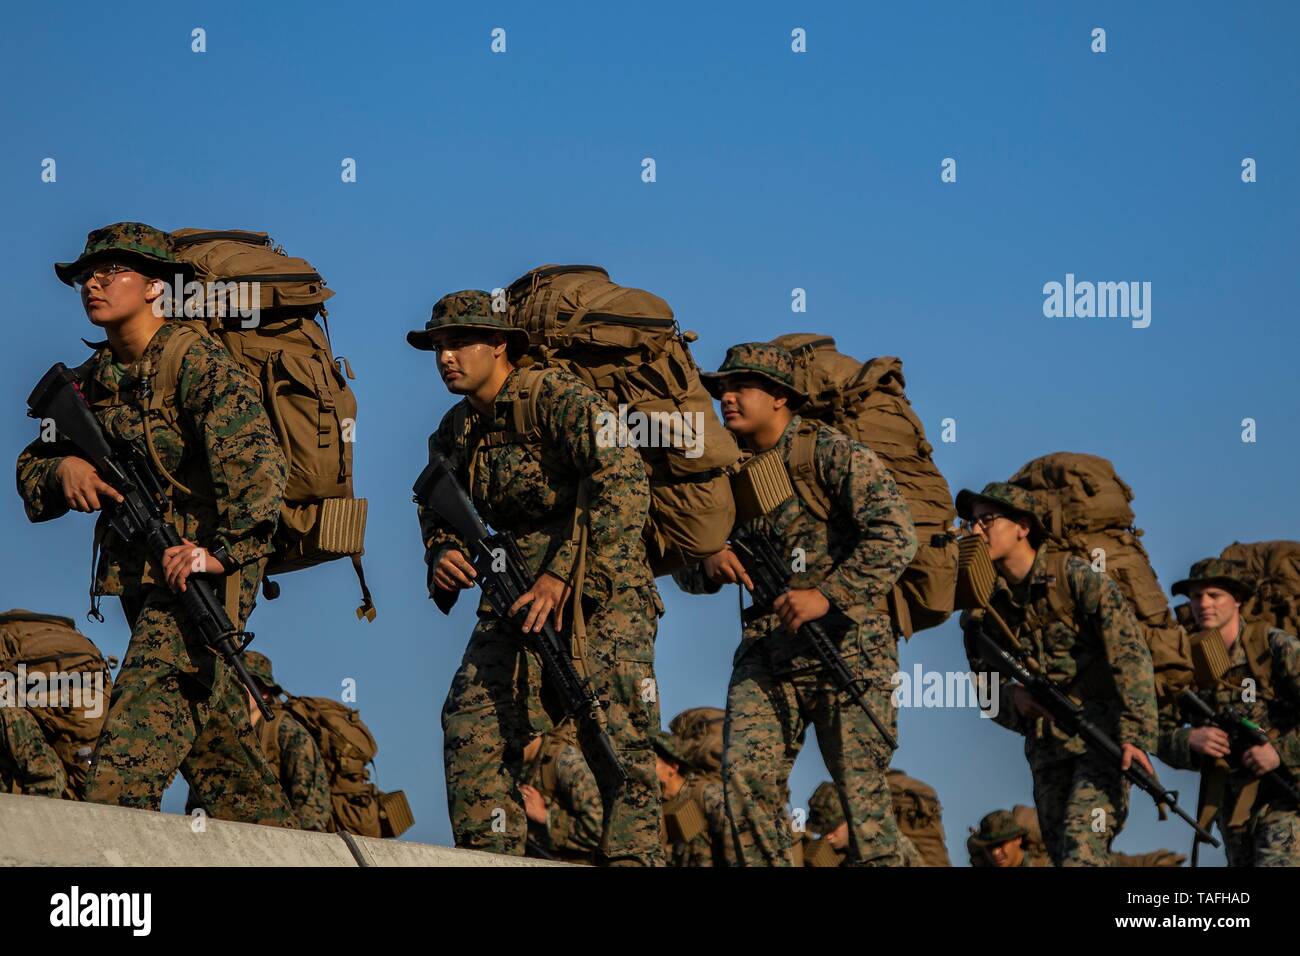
(161, 396)
(802, 465)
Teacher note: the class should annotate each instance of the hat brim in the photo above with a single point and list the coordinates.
(155, 267)
(966, 500)
(713, 382)
(999, 838)
(423, 339)
(1239, 589)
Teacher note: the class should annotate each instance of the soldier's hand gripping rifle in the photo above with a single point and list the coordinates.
(503, 576)
(141, 516)
(1242, 735)
(770, 574)
(975, 581)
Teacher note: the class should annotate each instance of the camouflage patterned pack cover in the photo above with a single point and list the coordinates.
(625, 344)
(1088, 513)
(700, 731)
(1274, 570)
(346, 747)
(867, 401)
(49, 644)
(302, 386)
(920, 817)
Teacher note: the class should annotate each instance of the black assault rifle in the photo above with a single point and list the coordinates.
(769, 572)
(503, 576)
(1243, 734)
(141, 516)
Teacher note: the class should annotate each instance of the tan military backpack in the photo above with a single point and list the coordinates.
(51, 645)
(303, 388)
(347, 746)
(1089, 515)
(920, 817)
(1274, 569)
(626, 345)
(868, 403)
(700, 731)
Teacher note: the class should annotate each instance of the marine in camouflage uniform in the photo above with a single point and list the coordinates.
(826, 818)
(778, 686)
(174, 699)
(291, 751)
(1098, 654)
(28, 763)
(1260, 824)
(1021, 822)
(559, 772)
(530, 486)
(696, 831)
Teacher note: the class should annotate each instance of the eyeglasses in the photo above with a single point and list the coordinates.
(983, 521)
(104, 274)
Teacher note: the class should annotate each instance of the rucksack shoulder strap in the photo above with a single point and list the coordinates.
(161, 396)
(1259, 657)
(802, 466)
(1059, 596)
(524, 413)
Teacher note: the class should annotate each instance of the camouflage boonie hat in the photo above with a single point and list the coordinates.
(133, 242)
(997, 827)
(259, 668)
(1012, 500)
(763, 359)
(470, 309)
(1216, 572)
(825, 812)
(670, 748)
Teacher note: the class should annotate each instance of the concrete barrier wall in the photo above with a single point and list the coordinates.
(38, 831)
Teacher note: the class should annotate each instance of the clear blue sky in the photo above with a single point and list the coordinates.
(775, 170)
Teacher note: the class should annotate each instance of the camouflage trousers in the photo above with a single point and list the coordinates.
(28, 763)
(175, 705)
(1082, 805)
(769, 709)
(1272, 839)
(495, 706)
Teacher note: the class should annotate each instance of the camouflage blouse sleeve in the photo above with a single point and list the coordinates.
(302, 775)
(693, 580)
(1173, 735)
(437, 535)
(576, 824)
(618, 491)
(36, 766)
(1286, 684)
(1100, 598)
(863, 492)
(244, 457)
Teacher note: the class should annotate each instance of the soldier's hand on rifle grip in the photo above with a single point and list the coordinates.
(1209, 741)
(725, 568)
(454, 572)
(1027, 706)
(186, 559)
(1261, 759)
(82, 485)
(798, 606)
(547, 596)
(1130, 753)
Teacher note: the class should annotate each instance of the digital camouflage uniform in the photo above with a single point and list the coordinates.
(573, 807)
(778, 687)
(698, 807)
(1101, 658)
(825, 814)
(28, 763)
(173, 698)
(1260, 825)
(291, 752)
(530, 489)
